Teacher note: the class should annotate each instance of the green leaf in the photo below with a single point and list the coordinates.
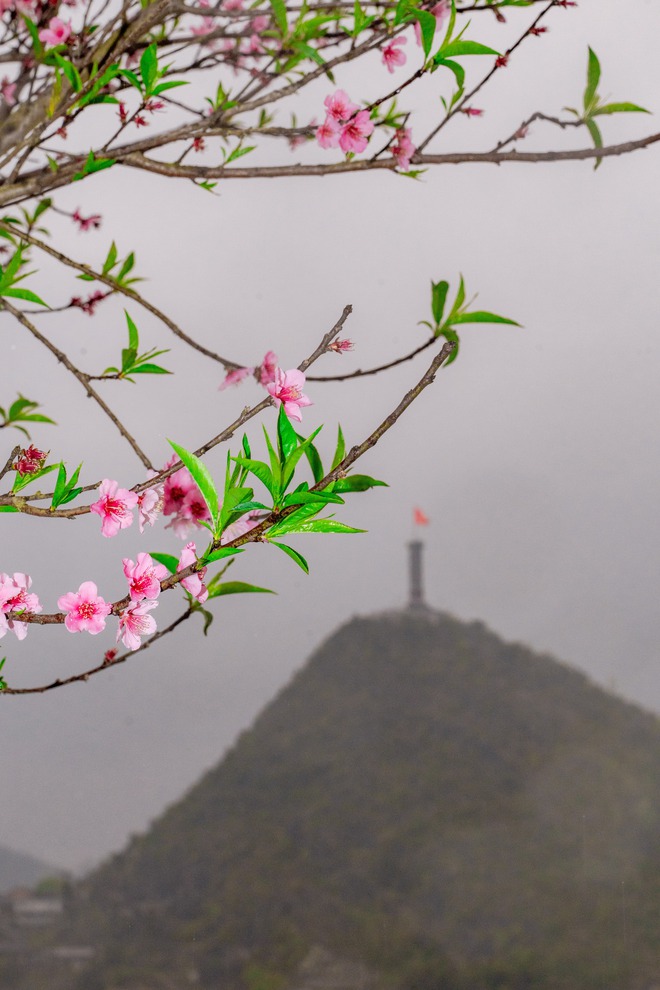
(618, 108)
(357, 483)
(295, 556)
(167, 560)
(148, 369)
(21, 481)
(439, 292)
(261, 471)
(592, 127)
(133, 336)
(427, 24)
(287, 438)
(24, 294)
(314, 460)
(237, 588)
(202, 478)
(481, 316)
(454, 67)
(279, 13)
(306, 498)
(149, 66)
(593, 76)
(455, 48)
(170, 84)
(220, 553)
(340, 449)
(8, 508)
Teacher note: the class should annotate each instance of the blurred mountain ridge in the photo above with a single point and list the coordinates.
(424, 805)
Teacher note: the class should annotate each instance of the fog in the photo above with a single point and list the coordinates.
(534, 455)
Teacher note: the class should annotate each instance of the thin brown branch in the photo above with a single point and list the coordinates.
(85, 675)
(79, 376)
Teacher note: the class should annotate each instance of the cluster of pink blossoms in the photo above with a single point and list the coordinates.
(16, 597)
(115, 506)
(284, 386)
(87, 611)
(345, 125)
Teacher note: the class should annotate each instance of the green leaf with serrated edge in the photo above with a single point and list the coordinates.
(593, 77)
(340, 449)
(304, 512)
(481, 316)
(295, 556)
(439, 292)
(220, 553)
(320, 526)
(22, 480)
(202, 478)
(607, 108)
(287, 438)
(279, 13)
(237, 588)
(358, 483)
(292, 461)
(261, 471)
(167, 560)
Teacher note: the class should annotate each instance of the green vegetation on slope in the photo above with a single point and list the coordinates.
(451, 810)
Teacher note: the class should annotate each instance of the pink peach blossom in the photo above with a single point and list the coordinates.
(328, 133)
(235, 377)
(241, 526)
(288, 388)
(150, 505)
(339, 106)
(402, 148)
(15, 597)
(58, 32)
(135, 622)
(86, 609)
(194, 582)
(143, 577)
(268, 368)
(114, 507)
(8, 91)
(355, 134)
(392, 54)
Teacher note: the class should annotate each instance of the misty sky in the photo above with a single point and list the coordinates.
(535, 455)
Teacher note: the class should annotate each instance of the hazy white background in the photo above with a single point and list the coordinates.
(535, 456)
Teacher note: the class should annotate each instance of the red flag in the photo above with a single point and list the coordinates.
(419, 518)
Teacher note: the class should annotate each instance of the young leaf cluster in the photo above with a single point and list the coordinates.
(22, 411)
(445, 325)
(134, 363)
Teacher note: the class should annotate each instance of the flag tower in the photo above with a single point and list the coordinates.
(416, 602)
